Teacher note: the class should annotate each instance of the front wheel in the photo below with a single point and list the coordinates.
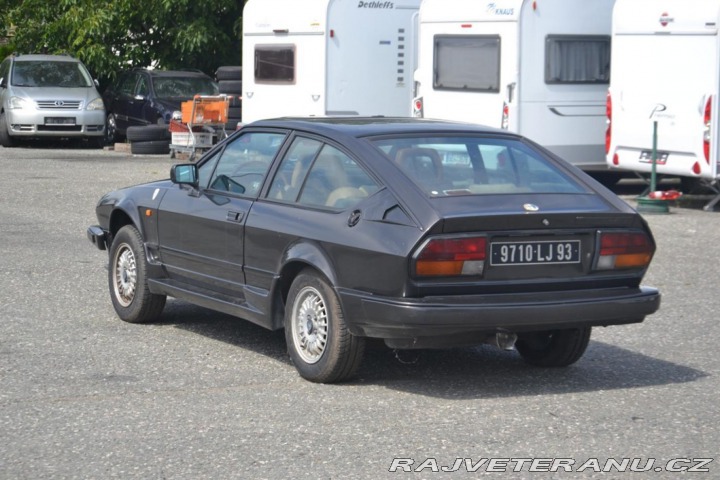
(319, 343)
(554, 348)
(6, 140)
(127, 279)
(111, 134)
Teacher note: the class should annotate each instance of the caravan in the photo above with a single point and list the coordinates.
(537, 67)
(665, 69)
(328, 57)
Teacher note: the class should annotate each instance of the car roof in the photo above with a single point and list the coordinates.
(371, 126)
(45, 58)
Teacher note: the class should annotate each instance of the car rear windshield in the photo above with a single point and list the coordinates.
(461, 165)
(35, 73)
(184, 87)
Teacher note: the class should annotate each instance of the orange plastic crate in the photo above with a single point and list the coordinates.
(205, 110)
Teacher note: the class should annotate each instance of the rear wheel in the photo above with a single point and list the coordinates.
(318, 341)
(553, 348)
(127, 279)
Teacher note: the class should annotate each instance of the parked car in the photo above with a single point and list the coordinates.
(48, 96)
(149, 97)
(421, 233)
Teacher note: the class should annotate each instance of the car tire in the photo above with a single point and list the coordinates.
(111, 132)
(230, 86)
(555, 348)
(150, 147)
(147, 133)
(318, 341)
(6, 139)
(127, 279)
(229, 72)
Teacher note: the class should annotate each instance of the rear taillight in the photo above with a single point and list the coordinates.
(706, 134)
(505, 122)
(608, 130)
(624, 250)
(451, 257)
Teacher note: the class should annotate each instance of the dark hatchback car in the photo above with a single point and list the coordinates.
(424, 234)
(147, 97)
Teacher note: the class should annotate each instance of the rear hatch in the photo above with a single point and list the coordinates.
(516, 243)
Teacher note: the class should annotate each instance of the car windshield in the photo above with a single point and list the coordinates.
(184, 87)
(467, 165)
(36, 73)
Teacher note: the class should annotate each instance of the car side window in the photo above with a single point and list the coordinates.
(127, 85)
(244, 163)
(5, 71)
(142, 86)
(328, 178)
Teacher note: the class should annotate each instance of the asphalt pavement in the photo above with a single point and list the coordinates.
(201, 395)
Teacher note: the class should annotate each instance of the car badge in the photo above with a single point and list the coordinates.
(59, 103)
(665, 19)
(529, 207)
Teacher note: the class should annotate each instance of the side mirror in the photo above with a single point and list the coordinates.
(184, 174)
(2, 82)
(97, 84)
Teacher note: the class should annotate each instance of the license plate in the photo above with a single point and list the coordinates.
(59, 120)
(661, 157)
(535, 253)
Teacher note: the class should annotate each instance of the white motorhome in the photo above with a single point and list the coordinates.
(328, 57)
(537, 67)
(665, 68)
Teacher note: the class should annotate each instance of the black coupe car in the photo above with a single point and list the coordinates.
(424, 234)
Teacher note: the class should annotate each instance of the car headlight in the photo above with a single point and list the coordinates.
(18, 103)
(96, 104)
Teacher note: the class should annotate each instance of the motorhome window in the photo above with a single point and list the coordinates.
(577, 59)
(467, 62)
(275, 63)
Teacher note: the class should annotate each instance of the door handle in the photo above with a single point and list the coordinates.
(235, 216)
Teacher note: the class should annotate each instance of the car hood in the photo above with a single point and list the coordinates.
(83, 94)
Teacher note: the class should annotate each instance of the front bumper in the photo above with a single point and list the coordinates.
(469, 318)
(36, 123)
(97, 237)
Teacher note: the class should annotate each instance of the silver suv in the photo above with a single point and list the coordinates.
(48, 96)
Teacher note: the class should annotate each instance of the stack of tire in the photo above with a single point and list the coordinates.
(149, 140)
(229, 80)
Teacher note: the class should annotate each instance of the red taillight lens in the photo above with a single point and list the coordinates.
(505, 122)
(624, 250)
(451, 257)
(418, 108)
(608, 131)
(706, 135)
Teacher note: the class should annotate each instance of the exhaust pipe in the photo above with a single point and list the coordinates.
(502, 340)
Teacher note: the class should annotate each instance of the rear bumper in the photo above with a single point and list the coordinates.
(461, 316)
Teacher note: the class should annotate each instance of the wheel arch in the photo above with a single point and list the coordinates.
(299, 257)
(120, 218)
